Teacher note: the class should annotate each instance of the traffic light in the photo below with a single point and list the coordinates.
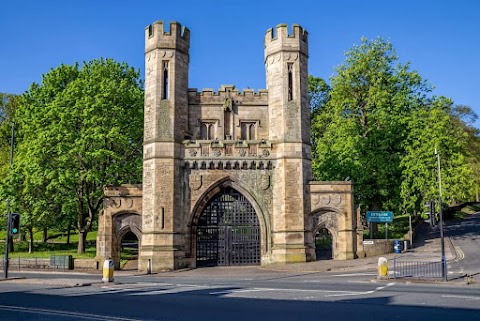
(15, 224)
(431, 213)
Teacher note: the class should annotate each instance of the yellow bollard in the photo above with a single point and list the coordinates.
(382, 268)
(107, 271)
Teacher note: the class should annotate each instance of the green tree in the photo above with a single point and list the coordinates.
(79, 130)
(318, 91)
(8, 105)
(430, 128)
(465, 117)
(363, 125)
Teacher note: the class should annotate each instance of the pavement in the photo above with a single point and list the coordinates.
(427, 246)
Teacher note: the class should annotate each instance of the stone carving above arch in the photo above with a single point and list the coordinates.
(130, 220)
(327, 219)
(195, 181)
(264, 181)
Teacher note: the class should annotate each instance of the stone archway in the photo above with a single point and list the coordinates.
(332, 207)
(228, 231)
(329, 221)
(228, 216)
(124, 223)
(121, 214)
(118, 240)
(324, 241)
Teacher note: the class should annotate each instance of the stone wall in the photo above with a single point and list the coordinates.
(377, 247)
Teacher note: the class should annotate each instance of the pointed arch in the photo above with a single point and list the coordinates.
(211, 192)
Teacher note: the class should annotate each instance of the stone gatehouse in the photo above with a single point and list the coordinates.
(227, 176)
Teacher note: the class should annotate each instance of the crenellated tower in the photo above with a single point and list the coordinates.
(227, 174)
(286, 57)
(165, 124)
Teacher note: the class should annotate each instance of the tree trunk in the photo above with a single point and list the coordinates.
(30, 243)
(68, 233)
(45, 235)
(82, 237)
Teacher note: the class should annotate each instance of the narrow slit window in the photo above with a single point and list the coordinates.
(244, 131)
(210, 131)
(165, 80)
(251, 134)
(203, 131)
(162, 218)
(290, 81)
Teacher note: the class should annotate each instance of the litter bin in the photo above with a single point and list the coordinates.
(397, 246)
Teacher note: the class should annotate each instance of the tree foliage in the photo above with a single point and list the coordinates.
(79, 130)
(373, 126)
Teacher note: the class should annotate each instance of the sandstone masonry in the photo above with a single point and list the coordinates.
(200, 144)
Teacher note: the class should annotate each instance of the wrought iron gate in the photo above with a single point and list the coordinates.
(228, 231)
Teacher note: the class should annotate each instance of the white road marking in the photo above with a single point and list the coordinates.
(169, 291)
(352, 293)
(76, 315)
(287, 290)
(464, 297)
(355, 274)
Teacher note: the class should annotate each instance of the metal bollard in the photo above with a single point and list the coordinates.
(107, 271)
(149, 266)
(382, 268)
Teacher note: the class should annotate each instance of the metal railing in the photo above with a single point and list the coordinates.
(56, 263)
(409, 268)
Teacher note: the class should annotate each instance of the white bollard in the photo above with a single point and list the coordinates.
(107, 271)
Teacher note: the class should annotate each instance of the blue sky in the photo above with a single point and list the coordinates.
(439, 38)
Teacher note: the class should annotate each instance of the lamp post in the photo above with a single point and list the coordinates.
(9, 215)
(444, 261)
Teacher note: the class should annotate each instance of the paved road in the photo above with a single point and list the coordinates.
(465, 235)
(254, 293)
(236, 294)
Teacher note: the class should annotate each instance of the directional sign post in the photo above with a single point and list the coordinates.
(379, 217)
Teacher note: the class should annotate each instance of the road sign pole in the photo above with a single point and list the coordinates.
(440, 214)
(386, 230)
(7, 240)
(9, 215)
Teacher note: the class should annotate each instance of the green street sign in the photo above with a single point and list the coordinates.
(379, 216)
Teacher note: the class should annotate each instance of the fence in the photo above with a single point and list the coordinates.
(56, 263)
(408, 268)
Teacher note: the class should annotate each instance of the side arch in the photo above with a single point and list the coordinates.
(327, 218)
(124, 222)
(337, 221)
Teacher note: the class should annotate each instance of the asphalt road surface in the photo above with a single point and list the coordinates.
(465, 235)
(233, 294)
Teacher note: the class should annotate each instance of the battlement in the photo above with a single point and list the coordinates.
(210, 97)
(225, 91)
(281, 32)
(156, 37)
(279, 39)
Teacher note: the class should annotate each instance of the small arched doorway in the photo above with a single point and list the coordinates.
(323, 244)
(129, 245)
(228, 231)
